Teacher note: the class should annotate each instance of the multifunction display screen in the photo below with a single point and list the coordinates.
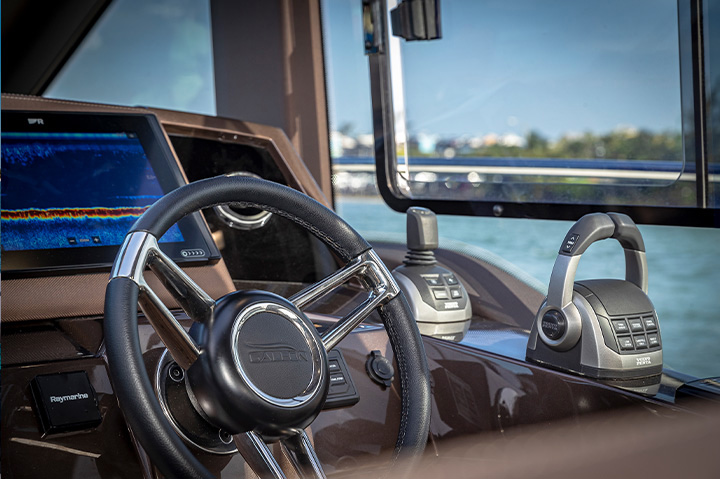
(74, 190)
(74, 183)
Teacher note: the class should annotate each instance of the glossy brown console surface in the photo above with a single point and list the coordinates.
(105, 451)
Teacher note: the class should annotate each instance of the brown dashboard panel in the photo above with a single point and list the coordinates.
(473, 392)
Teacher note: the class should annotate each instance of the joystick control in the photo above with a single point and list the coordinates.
(437, 298)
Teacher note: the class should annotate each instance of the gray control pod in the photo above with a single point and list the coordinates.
(601, 328)
(438, 300)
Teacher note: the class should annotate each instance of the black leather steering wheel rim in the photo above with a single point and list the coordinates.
(127, 370)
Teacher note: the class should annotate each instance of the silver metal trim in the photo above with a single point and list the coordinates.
(562, 280)
(139, 250)
(299, 449)
(257, 455)
(315, 382)
(191, 298)
(238, 221)
(375, 278)
(636, 269)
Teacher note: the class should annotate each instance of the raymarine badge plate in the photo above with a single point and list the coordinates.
(65, 402)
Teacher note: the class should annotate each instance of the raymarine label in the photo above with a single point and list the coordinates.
(69, 397)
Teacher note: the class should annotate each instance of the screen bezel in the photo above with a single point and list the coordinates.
(100, 258)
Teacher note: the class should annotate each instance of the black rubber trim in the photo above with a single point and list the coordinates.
(254, 193)
(132, 385)
(414, 376)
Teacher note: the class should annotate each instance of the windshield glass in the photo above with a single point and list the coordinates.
(550, 102)
(144, 52)
(451, 109)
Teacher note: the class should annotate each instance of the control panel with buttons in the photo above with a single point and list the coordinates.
(342, 389)
(437, 298)
(636, 334)
(602, 328)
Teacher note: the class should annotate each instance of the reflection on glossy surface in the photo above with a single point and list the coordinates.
(481, 385)
(105, 451)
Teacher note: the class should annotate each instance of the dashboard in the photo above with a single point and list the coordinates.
(54, 287)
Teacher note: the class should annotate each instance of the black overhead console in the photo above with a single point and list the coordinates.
(438, 300)
(602, 328)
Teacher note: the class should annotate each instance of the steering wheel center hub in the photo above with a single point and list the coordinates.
(263, 366)
(277, 354)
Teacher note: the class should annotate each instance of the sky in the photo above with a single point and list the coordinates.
(145, 52)
(557, 67)
(503, 66)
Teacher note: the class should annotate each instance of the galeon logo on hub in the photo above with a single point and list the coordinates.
(275, 352)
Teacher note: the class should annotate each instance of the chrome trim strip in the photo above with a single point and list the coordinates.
(375, 278)
(258, 455)
(301, 453)
(139, 250)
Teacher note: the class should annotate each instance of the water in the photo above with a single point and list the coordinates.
(683, 266)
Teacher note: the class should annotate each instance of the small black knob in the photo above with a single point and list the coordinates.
(380, 369)
(553, 324)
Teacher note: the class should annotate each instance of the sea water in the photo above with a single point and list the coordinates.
(683, 268)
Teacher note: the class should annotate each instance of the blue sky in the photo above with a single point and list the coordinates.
(502, 66)
(510, 66)
(152, 53)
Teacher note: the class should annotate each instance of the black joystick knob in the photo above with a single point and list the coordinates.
(422, 237)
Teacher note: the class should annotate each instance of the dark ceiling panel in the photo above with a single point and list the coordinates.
(39, 36)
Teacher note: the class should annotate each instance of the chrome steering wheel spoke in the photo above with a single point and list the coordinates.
(297, 447)
(258, 455)
(301, 452)
(375, 279)
(139, 251)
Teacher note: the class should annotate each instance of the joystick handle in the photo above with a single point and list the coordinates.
(422, 229)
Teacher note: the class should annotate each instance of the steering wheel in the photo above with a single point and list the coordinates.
(258, 369)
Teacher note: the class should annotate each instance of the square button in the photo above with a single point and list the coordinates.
(433, 280)
(640, 341)
(440, 293)
(650, 324)
(333, 366)
(337, 378)
(653, 340)
(636, 326)
(455, 293)
(451, 279)
(626, 343)
(620, 326)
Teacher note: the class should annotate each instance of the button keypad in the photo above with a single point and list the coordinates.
(636, 333)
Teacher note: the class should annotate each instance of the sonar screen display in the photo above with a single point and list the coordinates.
(74, 190)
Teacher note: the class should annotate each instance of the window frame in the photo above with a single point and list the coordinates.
(694, 131)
